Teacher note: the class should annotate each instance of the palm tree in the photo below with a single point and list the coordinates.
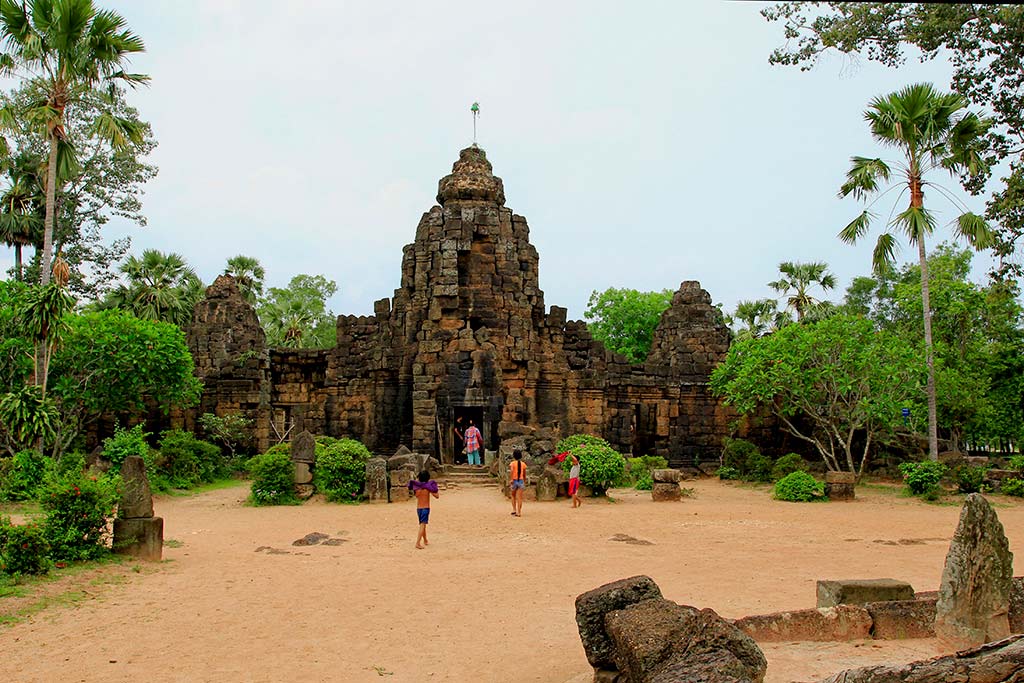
(21, 207)
(931, 131)
(797, 280)
(65, 50)
(248, 273)
(759, 318)
(159, 287)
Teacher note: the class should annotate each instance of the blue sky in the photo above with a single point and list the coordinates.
(646, 143)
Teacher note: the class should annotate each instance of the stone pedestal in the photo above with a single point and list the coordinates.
(840, 485)
(862, 591)
(141, 537)
(665, 492)
(303, 475)
(666, 476)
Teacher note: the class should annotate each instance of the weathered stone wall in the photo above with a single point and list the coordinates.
(467, 328)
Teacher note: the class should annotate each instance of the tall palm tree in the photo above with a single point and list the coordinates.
(158, 286)
(759, 317)
(797, 279)
(21, 207)
(64, 50)
(249, 274)
(931, 131)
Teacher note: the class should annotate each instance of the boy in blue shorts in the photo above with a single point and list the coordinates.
(424, 487)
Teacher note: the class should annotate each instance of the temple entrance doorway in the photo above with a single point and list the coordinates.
(467, 413)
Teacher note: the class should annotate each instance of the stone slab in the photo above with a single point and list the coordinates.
(141, 537)
(901, 619)
(839, 623)
(136, 497)
(832, 592)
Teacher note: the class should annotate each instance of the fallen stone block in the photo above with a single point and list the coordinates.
(861, 591)
(592, 606)
(842, 622)
(901, 619)
(141, 537)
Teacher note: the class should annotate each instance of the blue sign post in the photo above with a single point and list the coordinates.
(906, 413)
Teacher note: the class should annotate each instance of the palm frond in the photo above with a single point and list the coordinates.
(916, 222)
(857, 228)
(863, 176)
(975, 230)
(883, 258)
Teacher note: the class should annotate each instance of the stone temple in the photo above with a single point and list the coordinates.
(467, 334)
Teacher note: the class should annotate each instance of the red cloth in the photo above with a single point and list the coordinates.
(555, 459)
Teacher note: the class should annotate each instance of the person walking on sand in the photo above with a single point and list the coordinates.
(473, 439)
(424, 487)
(574, 482)
(517, 475)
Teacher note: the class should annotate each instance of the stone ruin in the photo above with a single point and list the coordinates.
(467, 334)
(137, 532)
(630, 634)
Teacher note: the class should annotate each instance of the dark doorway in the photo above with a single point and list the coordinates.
(467, 413)
(645, 428)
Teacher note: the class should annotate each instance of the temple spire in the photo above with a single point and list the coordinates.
(476, 114)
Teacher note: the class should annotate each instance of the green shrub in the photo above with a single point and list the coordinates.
(24, 479)
(187, 461)
(736, 452)
(638, 472)
(77, 509)
(799, 487)
(600, 465)
(969, 479)
(571, 442)
(922, 477)
(70, 465)
(786, 465)
(727, 473)
(127, 442)
(759, 468)
(284, 447)
(1017, 463)
(341, 470)
(273, 479)
(1012, 487)
(23, 549)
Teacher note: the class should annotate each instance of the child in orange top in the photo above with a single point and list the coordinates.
(424, 487)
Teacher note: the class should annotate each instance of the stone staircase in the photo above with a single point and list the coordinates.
(467, 476)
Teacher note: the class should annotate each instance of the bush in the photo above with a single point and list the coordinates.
(969, 479)
(127, 442)
(24, 479)
(1012, 487)
(799, 487)
(1017, 463)
(727, 473)
(923, 477)
(187, 461)
(77, 509)
(600, 465)
(786, 465)
(571, 442)
(23, 549)
(638, 473)
(341, 470)
(736, 452)
(759, 468)
(273, 478)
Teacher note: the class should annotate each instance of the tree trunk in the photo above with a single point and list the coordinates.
(17, 262)
(933, 428)
(51, 218)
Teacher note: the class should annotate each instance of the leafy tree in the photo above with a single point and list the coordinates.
(758, 317)
(837, 384)
(21, 207)
(298, 317)
(66, 50)
(984, 42)
(796, 281)
(624, 320)
(230, 429)
(15, 348)
(111, 362)
(927, 129)
(248, 274)
(159, 287)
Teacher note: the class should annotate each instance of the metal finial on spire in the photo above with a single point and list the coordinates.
(476, 113)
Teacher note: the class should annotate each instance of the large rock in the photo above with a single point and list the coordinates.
(140, 537)
(303, 447)
(136, 498)
(377, 480)
(592, 606)
(547, 486)
(999, 662)
(974, 596)
(862, 591)
(658, 640)
(401, 478)
(840, 623)
(1017, 605)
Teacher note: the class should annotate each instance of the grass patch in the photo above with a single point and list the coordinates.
(226, 483)
(23, 508)
(172, 543)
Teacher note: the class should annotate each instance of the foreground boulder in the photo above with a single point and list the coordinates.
(974, 597)
(592, 606)
(999, 662)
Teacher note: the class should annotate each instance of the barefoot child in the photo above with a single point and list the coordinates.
(424, 487)
(574, 482)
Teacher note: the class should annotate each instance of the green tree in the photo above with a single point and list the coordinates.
(929, 131)
(984, 42)
(159, 287)
(66, 50)
(796, 282)
(837, 384)
(758, 317)
(21, 207)
(298, 317)
(624, 320)
(248, 274)
(111, 362)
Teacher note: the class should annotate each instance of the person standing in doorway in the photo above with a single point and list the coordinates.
(517, 487)
(460, 440)
(473, 441)
(574, 482)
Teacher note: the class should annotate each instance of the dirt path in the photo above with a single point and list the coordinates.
(491, 599)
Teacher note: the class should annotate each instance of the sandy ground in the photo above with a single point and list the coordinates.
(491, 599)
